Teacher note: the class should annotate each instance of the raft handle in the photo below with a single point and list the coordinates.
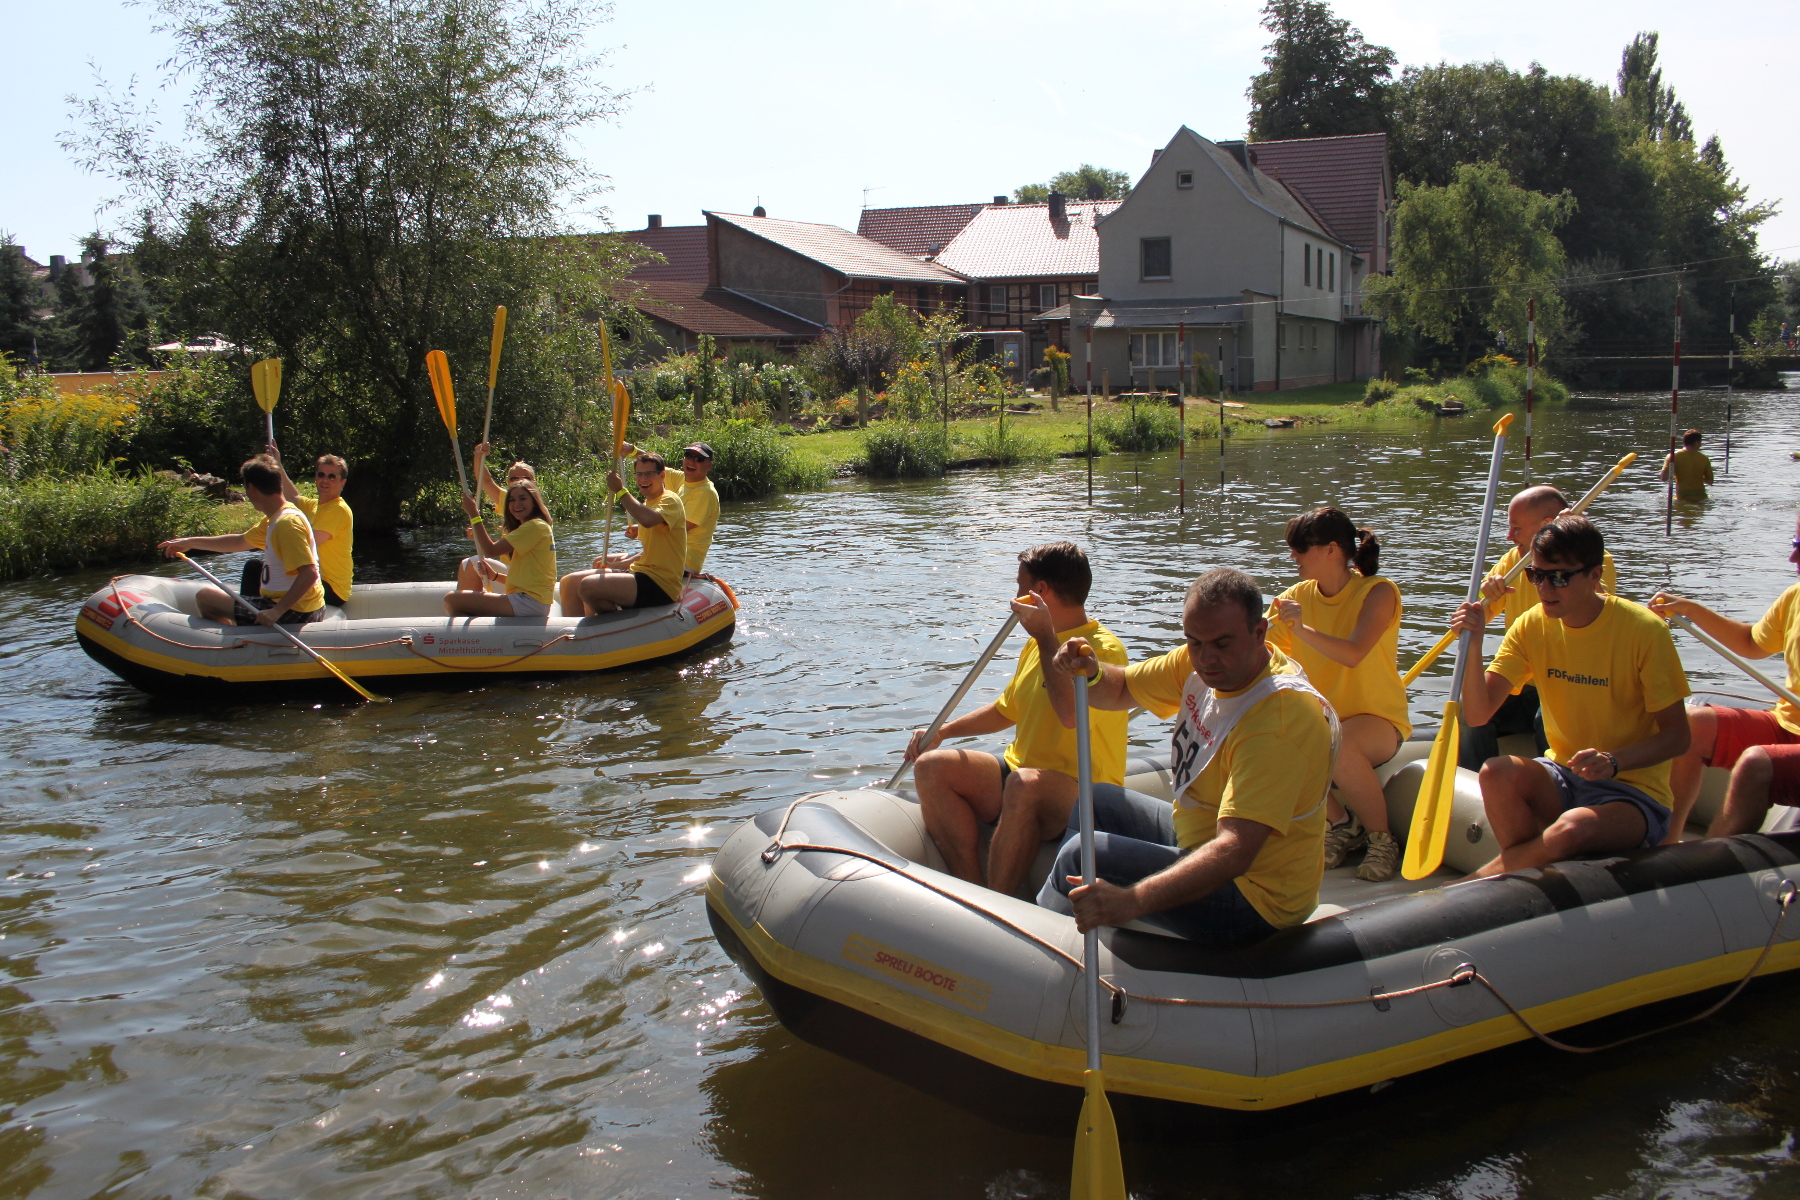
(1118, 1004)
(1463, 976)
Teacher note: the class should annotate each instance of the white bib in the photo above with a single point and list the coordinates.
(1206, 720)
(276, 577)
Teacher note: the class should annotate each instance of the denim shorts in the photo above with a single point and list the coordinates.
(1592, 793)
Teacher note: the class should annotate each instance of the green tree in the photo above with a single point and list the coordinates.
(18, 301)
(1467, 258)
(1320, 77)
(1649, 106)
(1080, 184)
(371, 178)
(99, 321)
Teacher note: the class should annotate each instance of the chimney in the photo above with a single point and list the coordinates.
(1094, 191)
(57, 263)
(759, 211)
(1154, 155)
(1239, 151)
(999, 199)
(1059, 210)
(655, 221)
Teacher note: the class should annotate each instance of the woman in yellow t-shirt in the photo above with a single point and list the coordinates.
(1341, 623)
(530, 550)
(473, 570)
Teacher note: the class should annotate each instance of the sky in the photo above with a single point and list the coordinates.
(813, 108)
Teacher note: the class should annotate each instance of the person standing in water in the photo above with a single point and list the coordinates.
(1341, 624)
(1693, 470)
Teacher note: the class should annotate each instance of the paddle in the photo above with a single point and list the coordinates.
(1098, 1174)
(962, 689)
(438, 367)
(1437, 791)
(358, 688)
(494, 344)
(1518, 568)
(1725, 653)
(265, 385)
(621, 413)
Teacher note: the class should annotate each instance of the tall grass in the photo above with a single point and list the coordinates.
(1007, 445)
(901, 450)
(59, 523)
(1151, 427)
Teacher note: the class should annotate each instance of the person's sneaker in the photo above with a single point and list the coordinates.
(1383, 857)
(1340, 840)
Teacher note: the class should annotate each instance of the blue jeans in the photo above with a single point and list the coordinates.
(1134, 836)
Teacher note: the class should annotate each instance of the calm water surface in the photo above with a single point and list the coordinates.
(456, 945)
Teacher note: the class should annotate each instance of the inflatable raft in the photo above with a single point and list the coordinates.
(838, 908)
(147, 630)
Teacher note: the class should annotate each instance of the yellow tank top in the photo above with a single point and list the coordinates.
(1372, 686)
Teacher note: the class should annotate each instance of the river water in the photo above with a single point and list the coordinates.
(456, 945)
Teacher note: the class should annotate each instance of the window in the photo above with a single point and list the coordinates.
(1281, 344)
(1156, 258)
(1046, 297)
(924, 300)
(1155, 350)
(1306, 266)
(1184, 179)
(1334, 270)
(997, 298)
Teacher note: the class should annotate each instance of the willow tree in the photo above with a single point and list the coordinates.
(363, 181)
(1468, 258)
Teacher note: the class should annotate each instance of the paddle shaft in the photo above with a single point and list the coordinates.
(1724, 652)
(1090, 946)
(270, 418)
(285, 632)
(1475, 573)
(956, 697)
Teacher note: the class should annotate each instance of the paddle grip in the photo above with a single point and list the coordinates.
(937, 723)
(1467, 641)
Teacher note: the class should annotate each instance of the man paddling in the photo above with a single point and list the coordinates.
(1612, 688)
(1240, 853)
(290, 593)
(1030, 791)
(1760, 747)
(1530, 511)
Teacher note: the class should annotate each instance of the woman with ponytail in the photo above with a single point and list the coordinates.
(1341, 623)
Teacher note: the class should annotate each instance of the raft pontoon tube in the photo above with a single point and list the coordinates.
(839, 908)
(147, 630)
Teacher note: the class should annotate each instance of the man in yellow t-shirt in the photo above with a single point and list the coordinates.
(1612, 688)
(1241, 852)
(333, 524)
(1031, 789)
(1530, 511)
(1693, 470)
(699, 497)
(289, 593)
(654, 575)
(1759, 746)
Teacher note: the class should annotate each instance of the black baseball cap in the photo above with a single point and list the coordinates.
(699, 450)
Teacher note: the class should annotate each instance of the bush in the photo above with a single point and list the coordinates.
(51, 523)
(1379, 389)
(902, 450)
(200, 412)
(750, 459)
(1007, 445)
(1151, 427)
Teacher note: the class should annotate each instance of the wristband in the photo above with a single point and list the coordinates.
(1609, 758)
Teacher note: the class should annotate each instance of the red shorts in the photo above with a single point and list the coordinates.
(1742, 728)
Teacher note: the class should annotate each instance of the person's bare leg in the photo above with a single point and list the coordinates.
(1607, 829)
(568, 593)
(1367, 742)
(607, 591)
(958, 790)
(1747, 798)
(1686, 772)
(476, 604)
(1034, 806)
(1521, 800)
(215, 605)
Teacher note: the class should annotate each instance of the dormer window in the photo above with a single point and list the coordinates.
(1155, 257)
(1184, 179)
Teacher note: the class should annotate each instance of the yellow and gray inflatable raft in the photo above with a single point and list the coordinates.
(147, 630)
(839, 909)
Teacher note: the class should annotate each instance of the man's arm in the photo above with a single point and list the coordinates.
(305, 576)
(1669, 741)
(224, 543)
(1483, 692)
(1227, 856)
(1034, 619)
(1735, 634)
(1106, 682)
(289, 492)
(986, 719)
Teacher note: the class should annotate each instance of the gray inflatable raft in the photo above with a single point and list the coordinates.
(838, 908)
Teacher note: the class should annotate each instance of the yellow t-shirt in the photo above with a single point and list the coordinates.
(1598, 684)
(1693, 471)
(1524, 595)
(665, 545)
(532, 566)
(701, 500)
(1779, 633)
(1039, 738)
(1373, 685)
(288, 541)
(336, 519)
(1272, 769)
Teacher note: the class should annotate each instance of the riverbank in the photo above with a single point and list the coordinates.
(54, 523)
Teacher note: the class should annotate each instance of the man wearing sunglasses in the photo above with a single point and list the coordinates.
(1530, 511)
(1611, 686)
(334, 525)
(1760, 747)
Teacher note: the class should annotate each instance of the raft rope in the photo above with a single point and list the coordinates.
(1462, 976)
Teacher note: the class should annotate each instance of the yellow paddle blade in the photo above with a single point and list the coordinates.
(437, 365)
(621, 415)
(265, 383)
(1099, 1173)
(494, 345)
(1437, 793)
(1501, 425)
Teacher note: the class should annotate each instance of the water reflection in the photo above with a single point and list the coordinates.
(454, 945)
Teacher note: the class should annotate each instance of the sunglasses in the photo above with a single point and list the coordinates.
(325, 475)
(1555, 579)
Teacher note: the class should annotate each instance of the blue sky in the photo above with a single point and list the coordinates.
(802, 105)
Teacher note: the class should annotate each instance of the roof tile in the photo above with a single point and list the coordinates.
(699, 308)
(839, 249)
(919, 231)
(1343, 179)
(1014, 241)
